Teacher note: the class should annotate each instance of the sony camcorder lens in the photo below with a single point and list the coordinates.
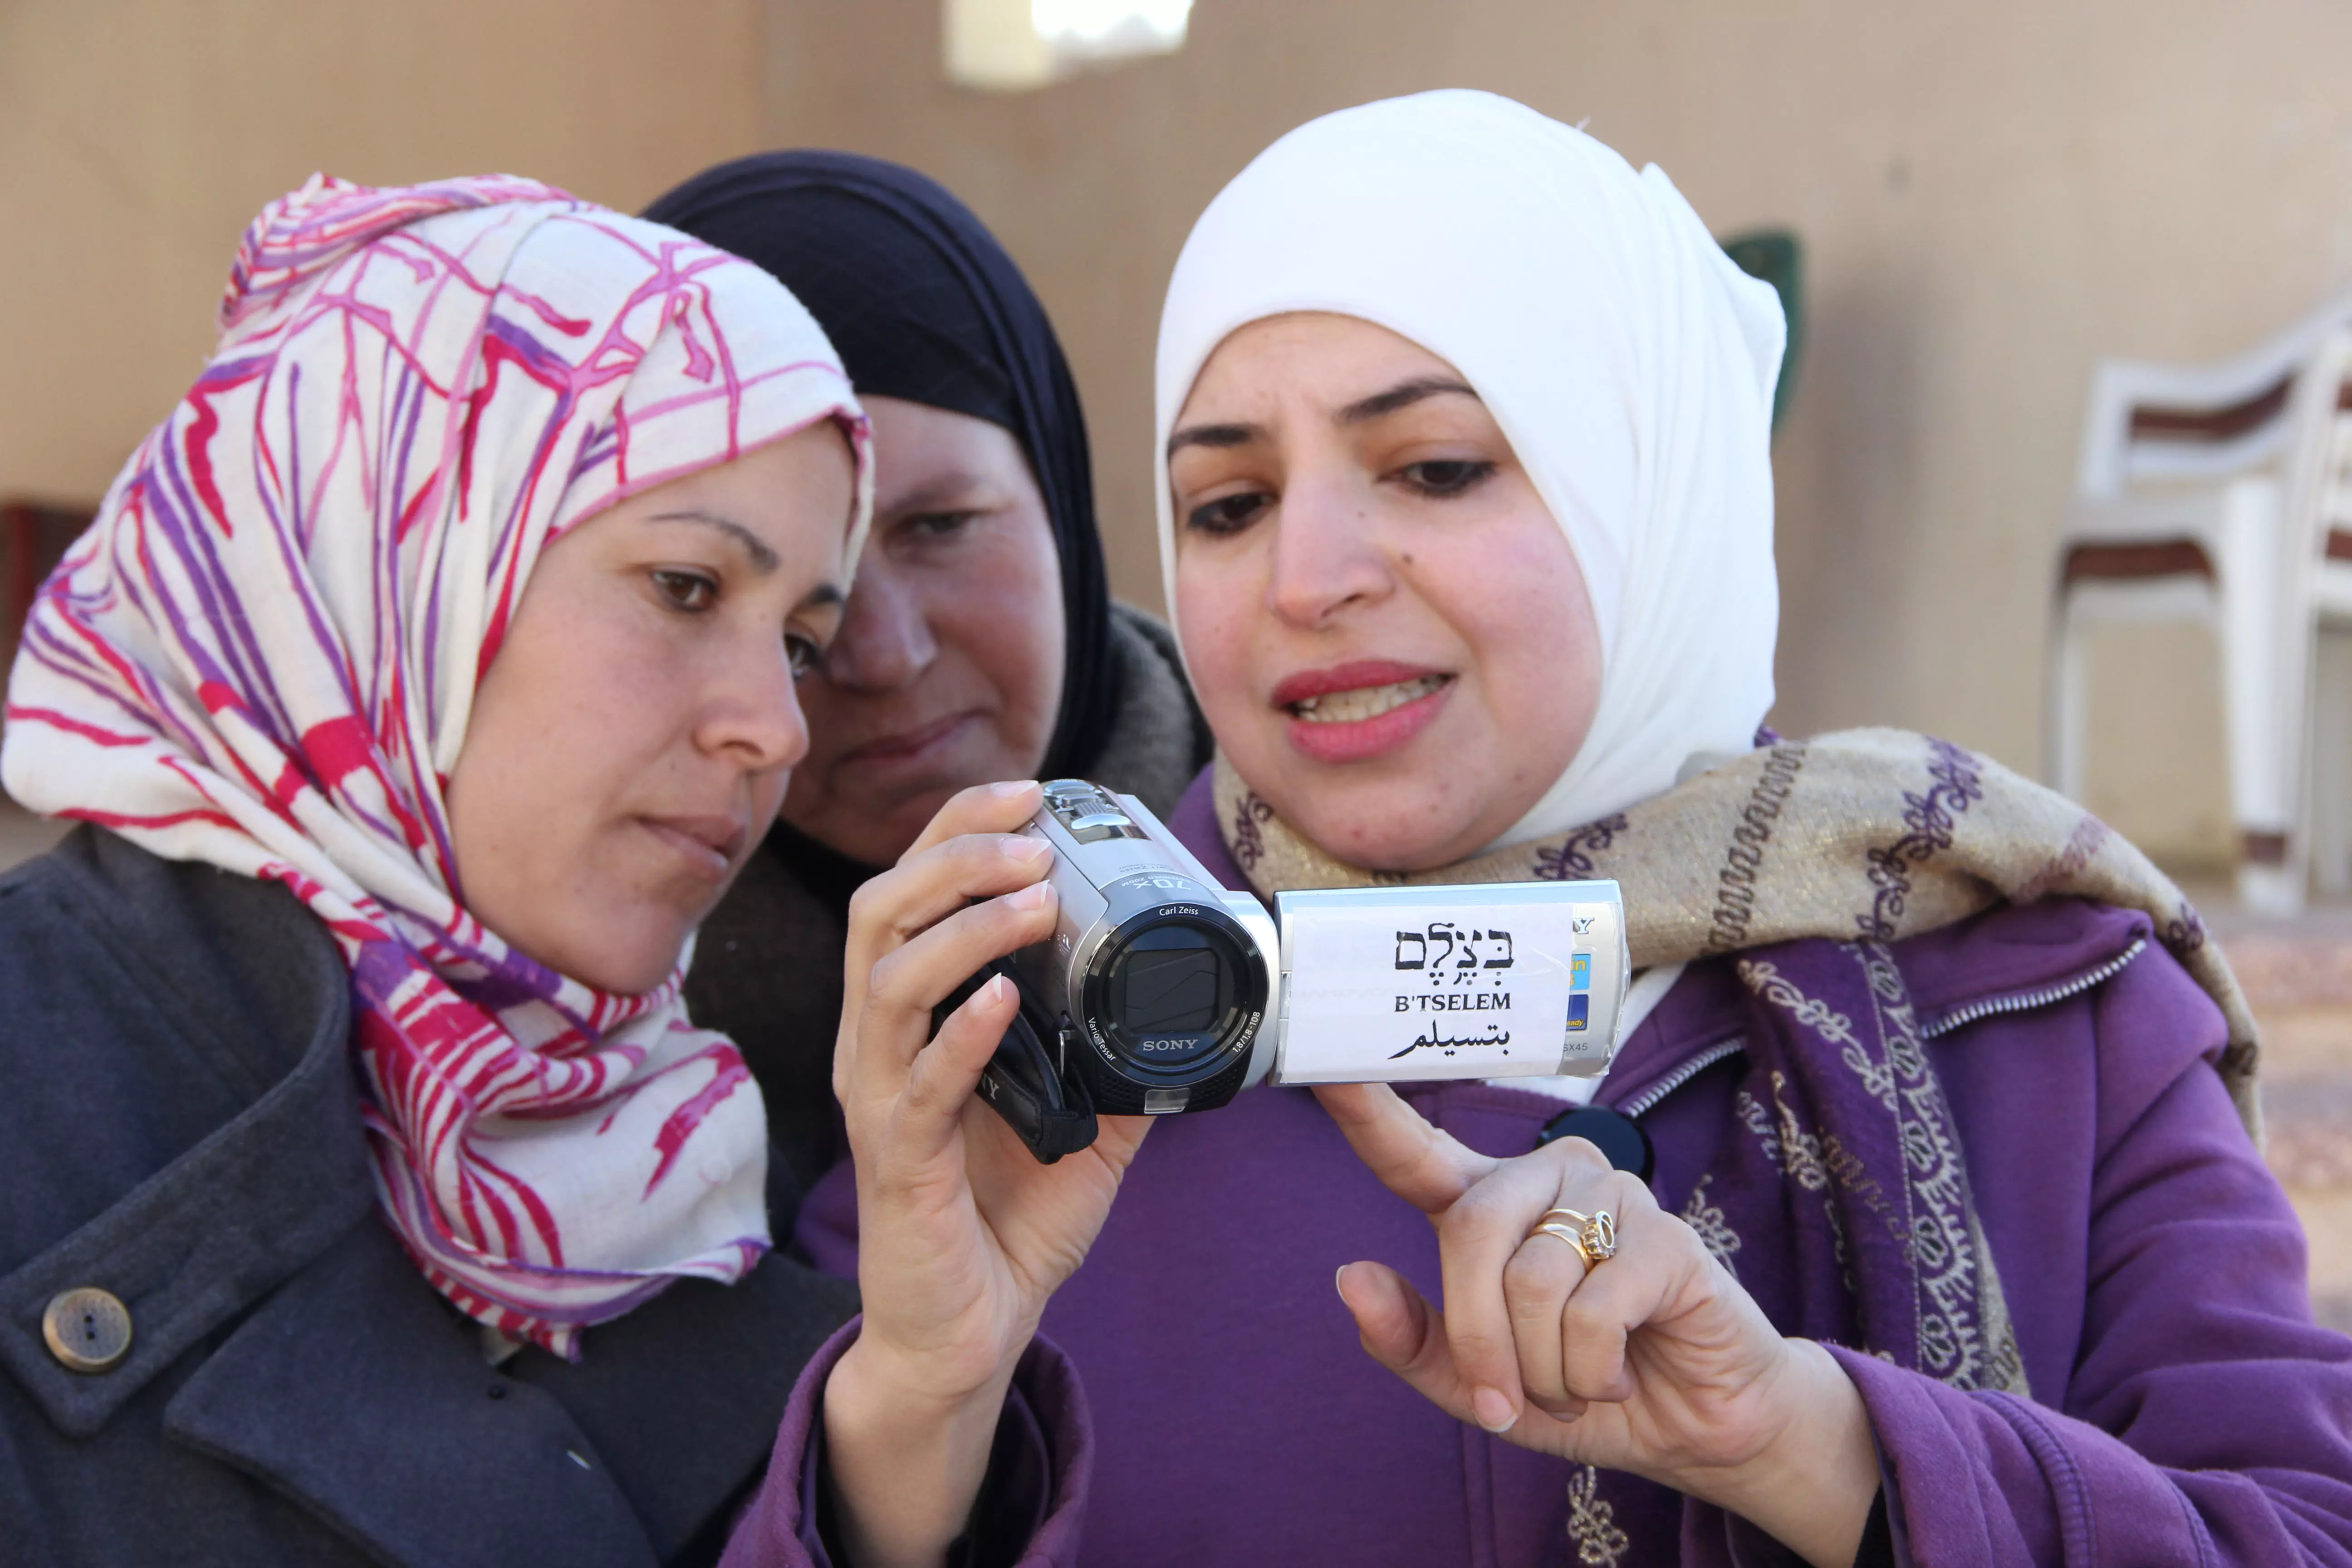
(1166, 992)
(1171, 995)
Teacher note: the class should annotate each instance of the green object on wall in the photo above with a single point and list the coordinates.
(1775, 255)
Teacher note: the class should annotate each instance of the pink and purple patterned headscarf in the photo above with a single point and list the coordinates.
(263, 654)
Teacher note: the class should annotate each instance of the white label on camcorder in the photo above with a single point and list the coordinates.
(1455, 990)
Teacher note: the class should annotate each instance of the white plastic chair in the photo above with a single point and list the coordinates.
(2320, 503)
(2219, 494)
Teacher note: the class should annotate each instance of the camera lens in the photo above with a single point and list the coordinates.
(1171, 995)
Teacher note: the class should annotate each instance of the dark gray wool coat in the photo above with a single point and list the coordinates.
(179, 1126)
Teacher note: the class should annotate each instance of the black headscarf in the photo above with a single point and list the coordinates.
(923, 304)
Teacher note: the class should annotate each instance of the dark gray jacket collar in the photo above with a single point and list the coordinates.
(202, 1239)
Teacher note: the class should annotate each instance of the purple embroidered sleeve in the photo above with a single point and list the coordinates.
(2207, 1420)
(1045, 1454)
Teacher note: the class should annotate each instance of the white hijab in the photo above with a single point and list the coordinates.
(1628, 360)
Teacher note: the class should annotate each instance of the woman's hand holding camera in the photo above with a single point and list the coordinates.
(1653, 1360)
(963, 1235)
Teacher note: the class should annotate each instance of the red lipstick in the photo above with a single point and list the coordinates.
(1330, 739)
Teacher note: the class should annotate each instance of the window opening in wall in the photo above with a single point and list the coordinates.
(1009, 46)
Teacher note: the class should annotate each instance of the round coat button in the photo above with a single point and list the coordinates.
(87, 1330)
(1619, 1137)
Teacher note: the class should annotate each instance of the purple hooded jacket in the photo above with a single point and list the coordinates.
(1197, 1394)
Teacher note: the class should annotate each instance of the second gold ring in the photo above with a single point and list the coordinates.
(1594, 1236)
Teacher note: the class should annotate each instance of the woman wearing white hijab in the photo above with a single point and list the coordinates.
(1938, 1233)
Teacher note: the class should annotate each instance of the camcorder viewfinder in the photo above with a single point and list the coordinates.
(1163, 992)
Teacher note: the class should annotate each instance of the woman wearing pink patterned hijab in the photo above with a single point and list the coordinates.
(462, 597)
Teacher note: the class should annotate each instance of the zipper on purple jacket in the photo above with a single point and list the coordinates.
(2026, 1000)
(1959, 1017)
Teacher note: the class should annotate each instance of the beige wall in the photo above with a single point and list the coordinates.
(1993, 196)
(138, 137)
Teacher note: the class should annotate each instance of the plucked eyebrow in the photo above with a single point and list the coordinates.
(1403, 395)
(763, 560)
(1218, 435)
(822, 596)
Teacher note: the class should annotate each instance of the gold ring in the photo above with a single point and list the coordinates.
(1567, 1236)
(1595, 1237)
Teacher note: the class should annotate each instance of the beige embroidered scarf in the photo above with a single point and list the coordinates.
(1869, 835)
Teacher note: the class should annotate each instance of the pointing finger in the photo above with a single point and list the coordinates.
(1426, 1168)
(1476, 1239)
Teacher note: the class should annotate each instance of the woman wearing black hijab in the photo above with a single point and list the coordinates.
(980, 641)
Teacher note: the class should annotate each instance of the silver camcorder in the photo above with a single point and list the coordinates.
(1162, 991)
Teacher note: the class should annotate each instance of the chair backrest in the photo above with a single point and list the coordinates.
(2147, 422)
(2319, 477)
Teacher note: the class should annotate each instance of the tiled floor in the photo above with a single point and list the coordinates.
(2297, 974)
